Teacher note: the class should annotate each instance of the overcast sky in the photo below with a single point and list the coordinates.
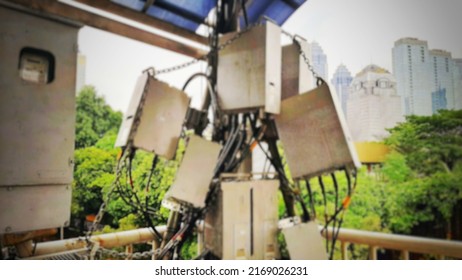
(353, 32)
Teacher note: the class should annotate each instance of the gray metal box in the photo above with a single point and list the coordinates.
(314, 134)
(249, 71)
(243, 222)
(193, 178)
(161, 112)
(37, 120)
(296, 78)
(304, 242)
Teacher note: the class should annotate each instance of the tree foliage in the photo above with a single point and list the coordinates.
(94, 119)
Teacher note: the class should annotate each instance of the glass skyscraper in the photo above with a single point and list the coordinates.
(425, 78)
(341, 81)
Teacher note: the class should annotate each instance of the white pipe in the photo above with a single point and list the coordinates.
(108, 240)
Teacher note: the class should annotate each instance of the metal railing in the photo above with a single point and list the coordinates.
(403, 243)
(375, 240)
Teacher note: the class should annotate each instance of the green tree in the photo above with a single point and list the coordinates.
(94, 119)
(424, 193)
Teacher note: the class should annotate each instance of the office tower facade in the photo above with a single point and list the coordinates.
(373, 104)
(341, 81)
(411, 69)
(457, 74)
(426, 79)
(442, 80)
(319, 60)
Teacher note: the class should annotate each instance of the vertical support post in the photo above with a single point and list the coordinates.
(200, 242)
(372, 253)
(155, 245)
(344, 249)
(129, 251)
(405, 255)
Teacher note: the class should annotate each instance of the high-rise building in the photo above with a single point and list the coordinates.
(411, 69)
(319, 60)
(439, 100)
(457, 74)
(442, 79)
(425, 78)
(373, 104)
(341, 82)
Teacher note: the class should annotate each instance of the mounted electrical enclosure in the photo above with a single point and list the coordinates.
(242, 224)
(37, 119)
(314, 134)
(195, 174)
(296, 78)
(304, 242)
(154, 118)
(249, 70)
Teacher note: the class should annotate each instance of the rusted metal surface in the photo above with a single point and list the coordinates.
(314, 134)
(249, 70)
(16, 238)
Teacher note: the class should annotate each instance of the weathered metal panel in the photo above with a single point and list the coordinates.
(304, 242)
(296, 78)
(249, 71)
(159, 111)
(193, 178)
(314, 134)
(37, 122)
(129, 117)
(25, 208)
(244, 226)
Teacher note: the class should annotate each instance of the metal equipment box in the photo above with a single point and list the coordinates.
(242, 224)
(195, 174)
(249, 70)
(314, 134)
(155, 117)
(304, 242)
(37, 119)
(296, 78)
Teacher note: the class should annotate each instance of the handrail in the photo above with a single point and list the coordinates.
(398, 242)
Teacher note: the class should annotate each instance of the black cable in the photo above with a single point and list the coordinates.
(151, 172)
(323, 190)
(306, 215)
(310, 196)
(334, 226)
(146, 216)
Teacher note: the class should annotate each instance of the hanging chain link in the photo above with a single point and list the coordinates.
(301, 52)
(205, 56)
(133, 256)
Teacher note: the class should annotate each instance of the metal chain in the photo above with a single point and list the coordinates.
(102, 208)
(205, 56)
(134, 256)
(302, 53)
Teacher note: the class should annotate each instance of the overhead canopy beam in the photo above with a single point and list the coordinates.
(56, 8)
(122, 11)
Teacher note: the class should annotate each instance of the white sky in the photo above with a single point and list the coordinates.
(353, 32)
